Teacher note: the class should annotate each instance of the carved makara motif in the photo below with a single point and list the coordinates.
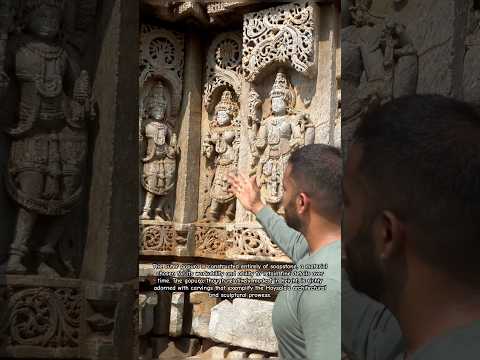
(220, 147)
(161, 238)
(283, 34)
(159, 161)
(42, 316)
(46, 171)
(279, 134)
(211, 241)
(253, 242)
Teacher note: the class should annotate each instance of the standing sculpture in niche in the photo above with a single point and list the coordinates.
(159, 163)
(280, 133)
(221, 147)
(49, 141)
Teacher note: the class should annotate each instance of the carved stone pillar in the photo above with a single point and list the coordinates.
(189, 132)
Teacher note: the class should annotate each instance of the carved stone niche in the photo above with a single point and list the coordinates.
(45, 98)
(161, 81)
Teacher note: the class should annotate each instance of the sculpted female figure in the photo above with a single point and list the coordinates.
(221, 146)
(159, 163)
(49, 141)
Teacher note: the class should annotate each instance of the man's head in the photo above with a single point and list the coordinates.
(412, 194)
(312, 185)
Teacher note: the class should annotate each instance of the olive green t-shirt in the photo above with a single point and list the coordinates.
(306, 322)
(371, 332)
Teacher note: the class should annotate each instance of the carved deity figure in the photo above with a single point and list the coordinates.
(379, 62)
(279, 134)
(49, 140)
(221, 147)
(159, 163)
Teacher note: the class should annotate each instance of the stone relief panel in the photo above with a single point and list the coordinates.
(220, 148)
(378, 58)
(161, 81)
(46, 169)
(284, 34)
(273, 139)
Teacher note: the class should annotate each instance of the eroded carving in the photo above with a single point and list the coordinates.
(211, 241)
(379, 61)
(42, 316)
(46, 171)
(254, 242)
(161, 238)
(224, 63)
(159, 162)
(220, 146)
(284, 35)
(280, 133)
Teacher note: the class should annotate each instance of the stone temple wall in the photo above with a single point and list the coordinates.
(68, 222)
(224, 87)
(404, 47)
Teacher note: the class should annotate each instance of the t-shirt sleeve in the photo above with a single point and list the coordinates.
(292, 243)
(369, 330)
(319, 315)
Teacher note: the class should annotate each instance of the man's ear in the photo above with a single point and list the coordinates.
(388, 235)
(303, 203)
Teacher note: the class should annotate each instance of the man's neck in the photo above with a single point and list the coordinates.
(433, 304)
(321, 232)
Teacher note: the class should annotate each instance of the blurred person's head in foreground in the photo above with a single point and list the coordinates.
(412, 201)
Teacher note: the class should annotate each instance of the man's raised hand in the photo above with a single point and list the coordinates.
(247, 191)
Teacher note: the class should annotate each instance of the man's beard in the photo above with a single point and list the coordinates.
(291, 217)
(363, 268)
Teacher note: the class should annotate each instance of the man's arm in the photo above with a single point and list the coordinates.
(369, 330)
(292, 243)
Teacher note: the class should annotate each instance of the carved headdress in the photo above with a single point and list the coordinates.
(227, 103)
(156, 97)
(281, 88)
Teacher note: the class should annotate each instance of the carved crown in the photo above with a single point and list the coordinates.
(32, 5)
(281, 88)
(157, 96)
(227, 103)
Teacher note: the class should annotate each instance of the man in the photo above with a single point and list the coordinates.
(306, 323)
(411, 232)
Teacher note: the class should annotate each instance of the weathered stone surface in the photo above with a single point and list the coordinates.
(147, 302)
(165, 348)
(245, 323)
(202, 305)
(161, 326)
(237, 354)
(177, 314)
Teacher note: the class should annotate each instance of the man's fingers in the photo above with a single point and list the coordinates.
(233, 180)
(244, 178)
